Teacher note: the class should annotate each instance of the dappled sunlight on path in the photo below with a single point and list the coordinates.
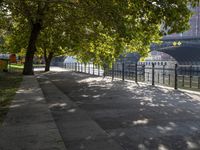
(137, 116)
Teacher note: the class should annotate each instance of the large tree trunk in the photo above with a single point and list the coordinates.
(28, 65)
(47, 60)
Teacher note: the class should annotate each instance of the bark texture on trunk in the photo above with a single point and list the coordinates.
(28, 65)
(47, 60)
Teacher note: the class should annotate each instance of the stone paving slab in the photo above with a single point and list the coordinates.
(29, 124)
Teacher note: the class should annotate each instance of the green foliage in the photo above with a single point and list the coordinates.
(93, 30)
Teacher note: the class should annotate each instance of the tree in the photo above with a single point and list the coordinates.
(135, 23)
(51, 43)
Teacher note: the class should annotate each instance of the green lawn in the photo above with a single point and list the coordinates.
(9, 83)
(16, 67)
(19, 67)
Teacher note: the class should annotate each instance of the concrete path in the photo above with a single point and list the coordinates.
(124, 115)
(77, 129)
(29, 124)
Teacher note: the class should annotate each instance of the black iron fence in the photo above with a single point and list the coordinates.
(177, 76)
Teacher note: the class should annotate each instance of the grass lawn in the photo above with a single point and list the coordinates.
(9, 83)
(16, 67)
(19, 67)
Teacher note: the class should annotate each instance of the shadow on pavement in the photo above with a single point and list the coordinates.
(136, 116)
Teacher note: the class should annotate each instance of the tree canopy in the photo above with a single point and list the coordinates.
(91, 30)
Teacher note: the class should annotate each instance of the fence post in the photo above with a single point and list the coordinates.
(78, 67)
(88, 68)
(75, 67)
(93, 68)
(190, 76)
(153, 74)
(183, 81)
(104, 71)
(136, 74)
(163, 74)
(117, 74)
(176, 78)
(198, 82)
(85, 67)
(98, 70)
(143, 73)
(113, 75)
(123, 71)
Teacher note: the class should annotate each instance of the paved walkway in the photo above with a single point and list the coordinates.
(130, 116)
(80, 112)
(78, 130)
(29, 124)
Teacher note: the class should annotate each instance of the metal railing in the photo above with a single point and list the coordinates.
(178, 76)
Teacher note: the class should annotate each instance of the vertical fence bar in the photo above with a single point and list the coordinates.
(88, 68)
(113, 75)
(104, 71)
(190, 76)
(153, 74)
(143, 73)
(123, 71)
(163, 74)
(98, 70)
(198, 82)
(183, 81)
(93, 68)
(75, 67)
(175, 78)
(117, 71)
(169, 77)
(136, 74)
